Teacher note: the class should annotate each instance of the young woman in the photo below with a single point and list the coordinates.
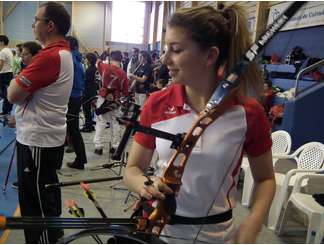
(202, 44)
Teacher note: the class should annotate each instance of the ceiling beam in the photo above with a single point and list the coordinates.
(261, 17)
(10, 9)
(1, 17)
(194, 3)
(165, 17)
(156, 13)
(178, 4)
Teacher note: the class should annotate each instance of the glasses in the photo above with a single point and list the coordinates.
(39, 19)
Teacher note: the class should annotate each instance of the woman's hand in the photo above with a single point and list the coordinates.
(247, 232)
(264, 190)
(11, 122)
(131, 76)
(156, 190)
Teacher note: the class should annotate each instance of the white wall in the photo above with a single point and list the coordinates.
(126, 46)
(91, 22)
(18, 25)
(88, 23)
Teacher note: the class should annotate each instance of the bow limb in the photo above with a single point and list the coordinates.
(125, 228)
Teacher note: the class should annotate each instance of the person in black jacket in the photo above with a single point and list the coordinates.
(91, 87)
(125, 61)
(298, 57)
(142, 78)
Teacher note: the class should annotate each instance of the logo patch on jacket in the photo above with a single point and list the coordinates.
(170, 110)
(25, 81)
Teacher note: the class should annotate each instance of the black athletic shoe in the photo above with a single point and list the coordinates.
(14, 185)
(98, 151)
(112, 150)
(87, 129)
(75, 165)
(69, 149)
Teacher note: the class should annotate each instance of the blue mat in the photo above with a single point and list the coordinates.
(6, 136)
(9, 199)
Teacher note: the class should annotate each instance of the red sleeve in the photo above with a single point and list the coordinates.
(258, 137)
(146, 140)
(106, 77)
(99, 65)
(125, 85)
(43, 71)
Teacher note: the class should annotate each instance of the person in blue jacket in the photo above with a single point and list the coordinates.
(74, 106)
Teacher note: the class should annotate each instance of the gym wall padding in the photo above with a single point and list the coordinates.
(310, 39)
(304, 118)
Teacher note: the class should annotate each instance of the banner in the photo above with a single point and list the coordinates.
(311, 14)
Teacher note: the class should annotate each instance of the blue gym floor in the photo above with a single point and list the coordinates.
(9, 198)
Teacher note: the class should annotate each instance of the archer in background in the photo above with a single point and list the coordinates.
(133, 62)
(91, 87)
(114, 80)
(197, 61)
(142, 78)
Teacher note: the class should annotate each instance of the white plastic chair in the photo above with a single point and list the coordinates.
(309, 159)
(308, 205)
(281, 145)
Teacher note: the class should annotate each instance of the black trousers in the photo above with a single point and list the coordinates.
(36, 167)
(89, 92)
(5, 79)
(74, 131)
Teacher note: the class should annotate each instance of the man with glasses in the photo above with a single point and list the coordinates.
(41, 92)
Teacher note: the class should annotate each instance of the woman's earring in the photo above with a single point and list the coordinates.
(220, 71)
